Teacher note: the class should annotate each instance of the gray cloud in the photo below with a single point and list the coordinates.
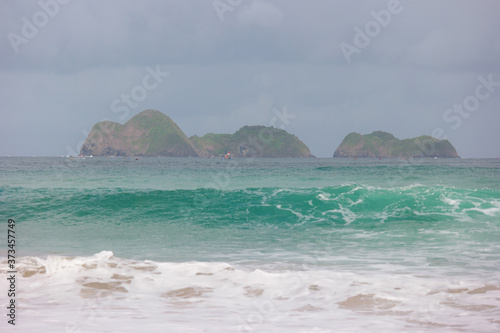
(260, 13)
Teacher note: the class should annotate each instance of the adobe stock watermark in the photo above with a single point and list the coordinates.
(267, 309)
(223, 6)
(483, 91)
(283, 116)
(454, 115)
(31, 27)
(266, 135)
(256, 318)
(372, 29)
(138, 93)
(88, 311)
(254, 145)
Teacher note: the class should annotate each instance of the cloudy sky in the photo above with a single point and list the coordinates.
(319, 69)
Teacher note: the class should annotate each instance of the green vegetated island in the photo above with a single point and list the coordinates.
(151, 133)
(383, 144)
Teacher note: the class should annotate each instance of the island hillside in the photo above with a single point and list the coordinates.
(252, 141)
(383, 144)
(151, 133)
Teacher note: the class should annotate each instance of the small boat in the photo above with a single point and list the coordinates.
(226, 156)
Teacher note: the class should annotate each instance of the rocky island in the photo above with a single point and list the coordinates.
(151, 133)
(383, 144)
(252, 141)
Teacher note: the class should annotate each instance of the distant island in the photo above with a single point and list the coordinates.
(383, 144)
(152, 133)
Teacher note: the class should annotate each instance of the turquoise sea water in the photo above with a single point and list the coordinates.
(254, 245)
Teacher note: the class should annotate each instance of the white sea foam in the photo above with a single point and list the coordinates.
(108, 294)
(347, 215)
(451, 202)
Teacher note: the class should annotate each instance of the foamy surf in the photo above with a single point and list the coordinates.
(107, 294)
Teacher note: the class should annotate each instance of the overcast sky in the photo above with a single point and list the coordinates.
(319, 69)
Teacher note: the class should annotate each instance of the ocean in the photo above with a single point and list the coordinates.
(250, 245)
